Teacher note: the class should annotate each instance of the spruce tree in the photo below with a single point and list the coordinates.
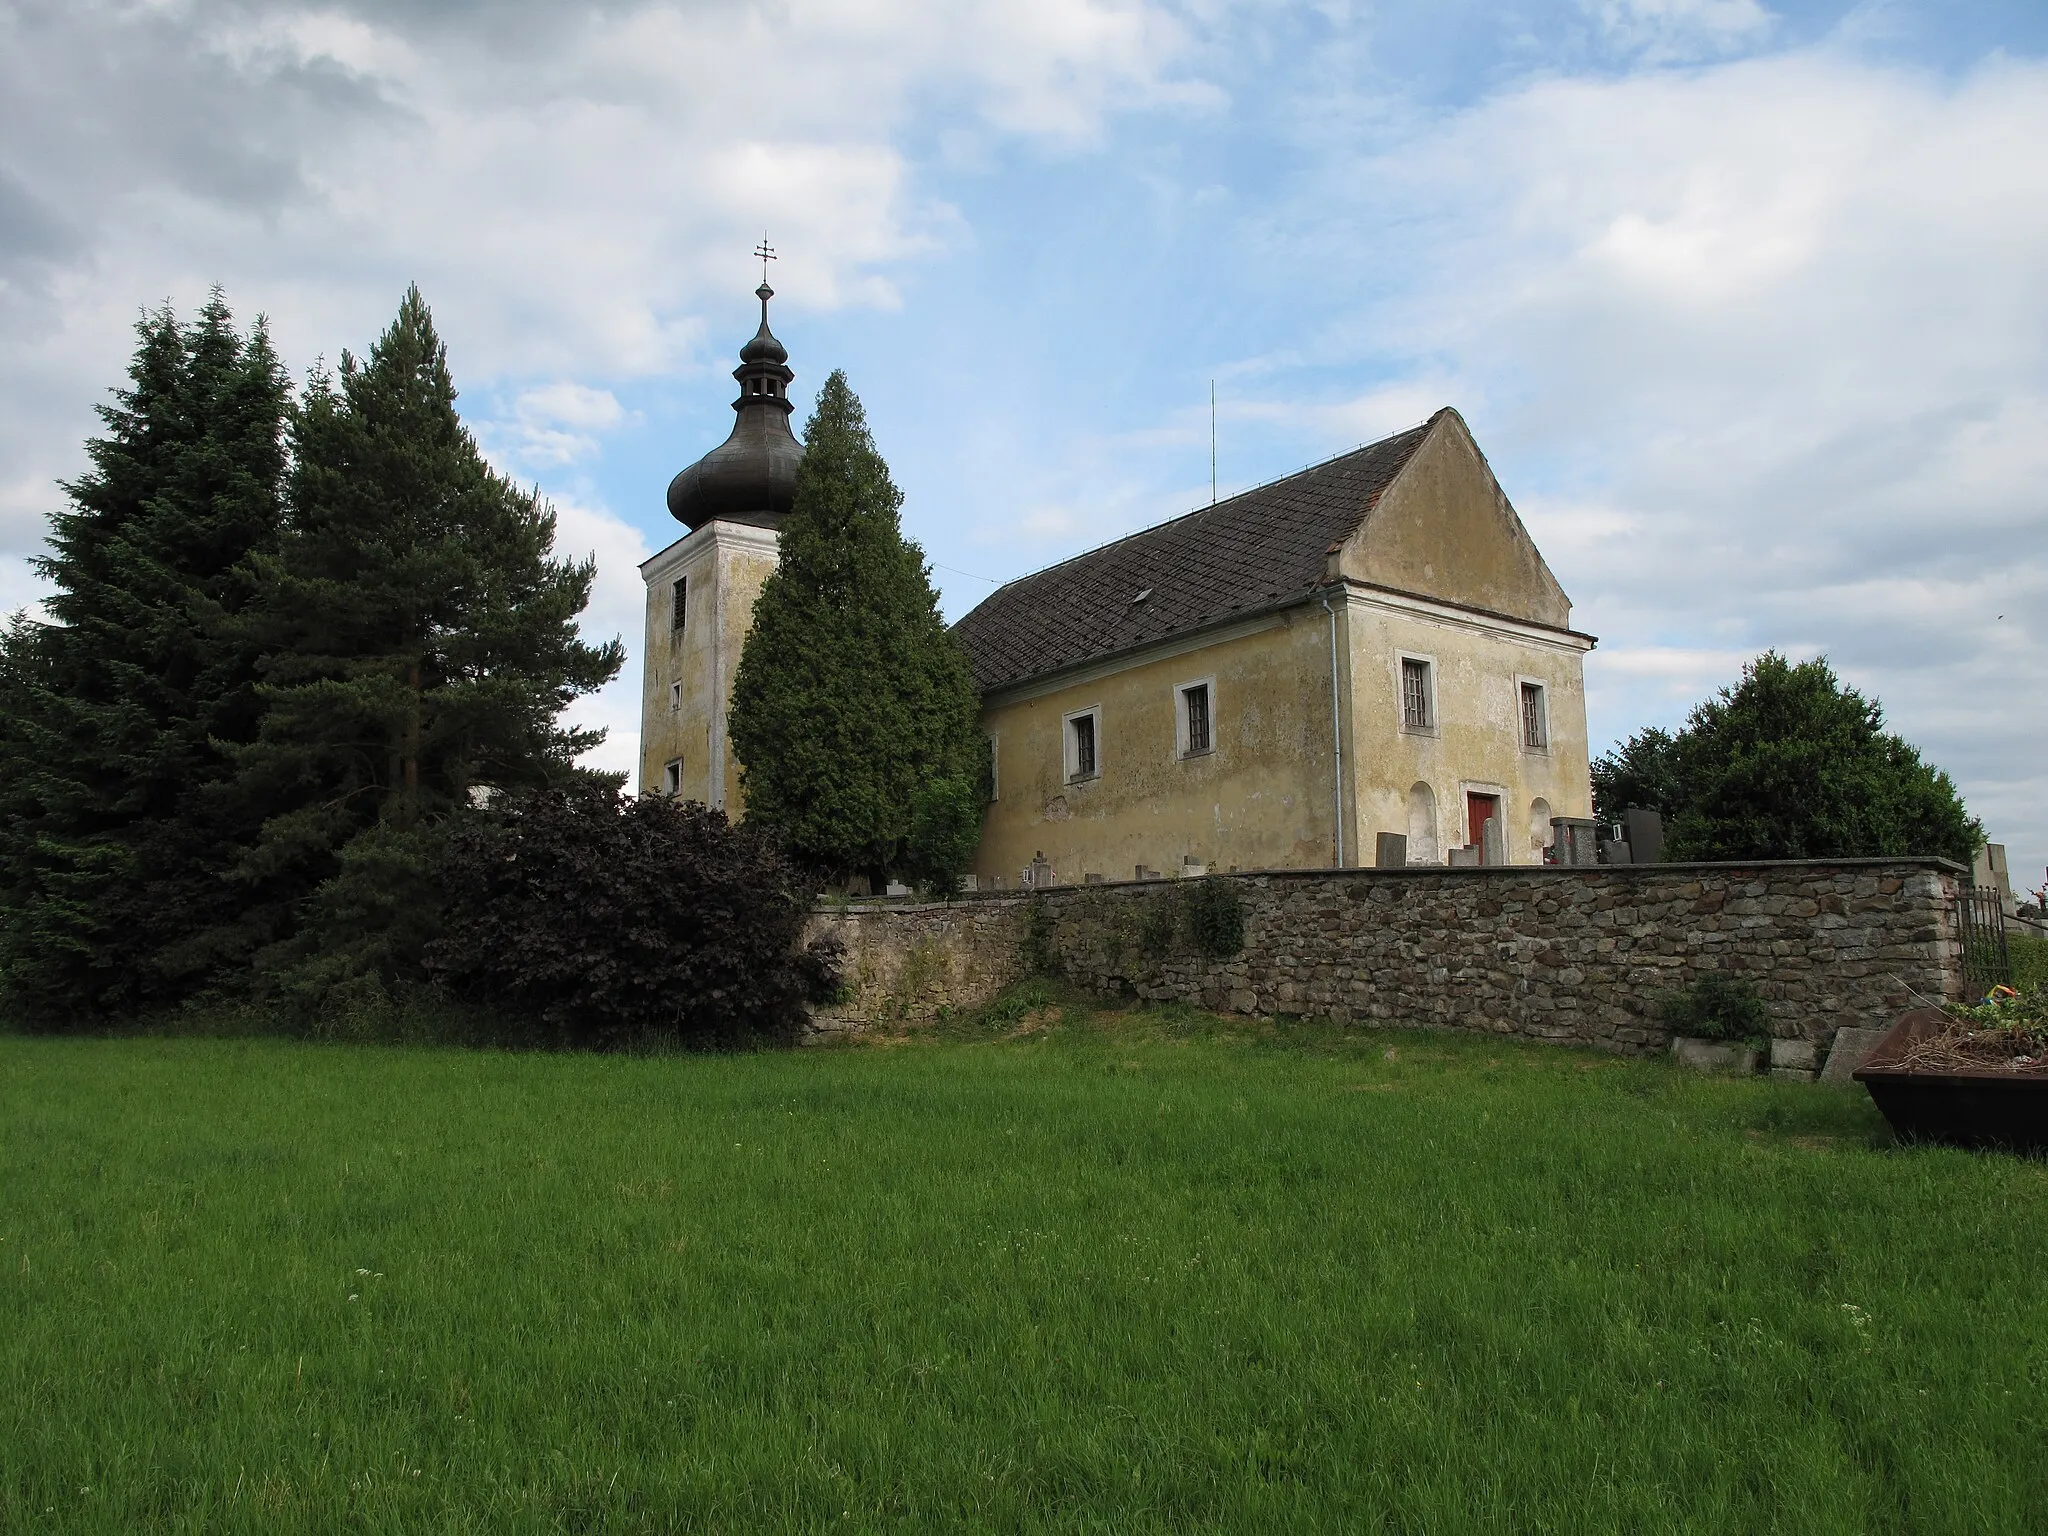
(853, 714)
(117, 715)
(420, 643)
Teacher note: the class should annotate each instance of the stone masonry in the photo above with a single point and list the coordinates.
(1567, 954)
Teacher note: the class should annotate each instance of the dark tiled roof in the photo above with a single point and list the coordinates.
(1243, 554)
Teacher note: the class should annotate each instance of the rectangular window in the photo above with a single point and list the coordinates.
(1081, 744)
(680, 597)
(989, 771)
(1195, 713)
(1535, 720)
(1416, 711)
(672, 777)
(675, 698)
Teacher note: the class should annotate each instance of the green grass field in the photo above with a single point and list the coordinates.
(1117, 1273)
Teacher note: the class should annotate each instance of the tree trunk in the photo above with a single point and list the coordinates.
(409, 797)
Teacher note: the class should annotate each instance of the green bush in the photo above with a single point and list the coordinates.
(1216, 917)
(1037, 954)
(2029, 963)
(617, 922)
(1158, 924)
(1716, 1008)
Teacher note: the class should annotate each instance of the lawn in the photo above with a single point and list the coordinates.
(1113, 1272)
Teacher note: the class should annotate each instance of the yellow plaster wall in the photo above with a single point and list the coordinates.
(725, 580)
(1261, 799)
(1476, 742)
(1444, 528)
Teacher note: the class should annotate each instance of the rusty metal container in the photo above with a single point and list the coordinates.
(1960, 1107)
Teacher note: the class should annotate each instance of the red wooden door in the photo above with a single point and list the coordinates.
(1477, 809)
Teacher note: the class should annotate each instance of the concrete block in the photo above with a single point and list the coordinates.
(1800, 1055)
(1847, 1053)
(1715, 1056)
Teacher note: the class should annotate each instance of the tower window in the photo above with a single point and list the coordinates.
(1418, 708)
(680, 601)
(672, 777)
(675, 698)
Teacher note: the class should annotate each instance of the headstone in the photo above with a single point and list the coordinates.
(1463, 858)
(1847, 1053)
(1613, 850)
(1493, 848)
(1574, 840)
(969, 883)
(1645, 836)
(1091, 879)
(1192, 868)
(1390, 851)
(896, 888)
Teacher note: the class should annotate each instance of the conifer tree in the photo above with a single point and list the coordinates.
(117, 714)
(853, 713)
(420, 642)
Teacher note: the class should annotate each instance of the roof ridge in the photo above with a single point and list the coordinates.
(1250, 490)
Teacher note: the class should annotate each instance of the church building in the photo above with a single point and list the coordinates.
(1371, 646)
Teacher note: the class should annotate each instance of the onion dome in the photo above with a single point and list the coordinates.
(751, 476)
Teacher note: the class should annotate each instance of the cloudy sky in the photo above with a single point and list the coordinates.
(1747, 303)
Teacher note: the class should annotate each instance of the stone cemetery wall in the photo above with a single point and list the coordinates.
(1568, 954)
(909, 964)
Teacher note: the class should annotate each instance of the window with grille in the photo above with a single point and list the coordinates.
(681, 597)
(1195, 716)
(1535, 724)
(1415, 701)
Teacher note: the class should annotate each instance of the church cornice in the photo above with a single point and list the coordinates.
(720, 535)
(1357, 594)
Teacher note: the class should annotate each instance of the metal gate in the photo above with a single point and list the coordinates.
(1980, 919)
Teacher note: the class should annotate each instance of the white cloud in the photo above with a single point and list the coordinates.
(617, 609)
(1662, 30)
(555, 424)
(564, 183)
(1767, 346)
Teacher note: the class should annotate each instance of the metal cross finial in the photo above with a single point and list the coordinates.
(767, 254)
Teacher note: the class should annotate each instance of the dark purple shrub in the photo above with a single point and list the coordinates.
(614, 921)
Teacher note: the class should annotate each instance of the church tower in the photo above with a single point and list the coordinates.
(701, 589)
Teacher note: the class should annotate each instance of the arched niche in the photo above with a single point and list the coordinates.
(1541, 833)
(1422, 844)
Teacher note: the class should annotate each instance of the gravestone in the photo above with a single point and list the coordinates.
(1575, 840)
(1493, 848)
(1390, 851)
(1645, 836)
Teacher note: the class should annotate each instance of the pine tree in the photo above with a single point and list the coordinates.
(853, 713)
(420, 643)
(117, 715)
